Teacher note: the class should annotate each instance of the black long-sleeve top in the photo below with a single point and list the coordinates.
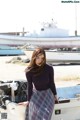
(43, 81)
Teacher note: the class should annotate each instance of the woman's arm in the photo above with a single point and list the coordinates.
(52, 84)
(29, 86)
(26, 103)
(29, 89)
(51, 79)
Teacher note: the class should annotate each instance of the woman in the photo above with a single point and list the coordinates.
(41, 87)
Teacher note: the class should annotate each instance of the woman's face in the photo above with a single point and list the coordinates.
(39, 60)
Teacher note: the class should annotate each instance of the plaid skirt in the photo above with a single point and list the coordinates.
(41, 105)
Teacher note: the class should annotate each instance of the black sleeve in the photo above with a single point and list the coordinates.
(52, 84)
(29, 86)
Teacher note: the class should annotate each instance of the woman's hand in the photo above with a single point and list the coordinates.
(56, 99)
(26, 103)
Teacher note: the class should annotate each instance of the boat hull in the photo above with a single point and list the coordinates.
(58, 56)
(63, 111)
(11, 52)
(67, 111)
(42, 42)
(7, 50)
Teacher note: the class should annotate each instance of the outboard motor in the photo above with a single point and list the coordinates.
(15, 90)
(11, 93)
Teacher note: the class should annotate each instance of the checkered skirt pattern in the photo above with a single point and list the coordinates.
(41, 105)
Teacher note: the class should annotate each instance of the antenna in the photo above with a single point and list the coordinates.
(23, 32)
(75, 19)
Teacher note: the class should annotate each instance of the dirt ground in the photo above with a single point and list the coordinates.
(64, 75)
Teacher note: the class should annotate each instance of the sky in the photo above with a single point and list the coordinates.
(16, 14)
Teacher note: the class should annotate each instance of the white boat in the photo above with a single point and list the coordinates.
(68, 107)
(59, 55)
(49, 36)
(69, 104)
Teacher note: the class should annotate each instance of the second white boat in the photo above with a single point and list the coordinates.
(59, 56)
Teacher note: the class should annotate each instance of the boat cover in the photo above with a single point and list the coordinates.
(68, 92)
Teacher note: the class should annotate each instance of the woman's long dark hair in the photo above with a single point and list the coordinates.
(32, 66)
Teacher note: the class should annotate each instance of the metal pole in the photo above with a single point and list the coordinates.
(75, 19)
